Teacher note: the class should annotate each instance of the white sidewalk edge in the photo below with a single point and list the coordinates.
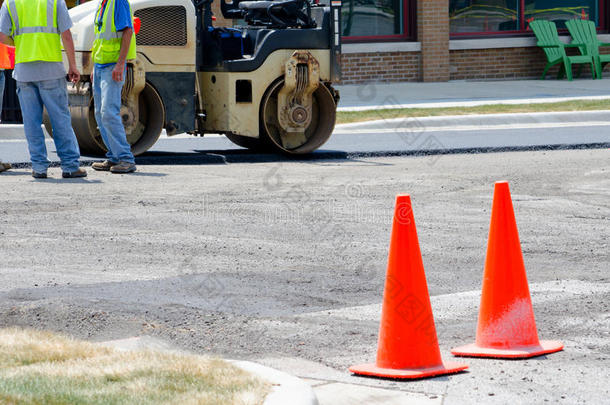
(287, 389)
(597, 116)
(471, 103)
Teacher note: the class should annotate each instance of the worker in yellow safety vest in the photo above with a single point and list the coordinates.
(38, 28)
(115, 44)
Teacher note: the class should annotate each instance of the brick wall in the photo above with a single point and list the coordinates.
(433, 34)
(472, 64)
(503, 63)
(380, 67)
(506, 63)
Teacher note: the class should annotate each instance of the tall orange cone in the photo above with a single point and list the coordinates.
(506, 328)
(408, 346)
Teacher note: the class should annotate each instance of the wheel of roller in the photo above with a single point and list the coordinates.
(324, 112)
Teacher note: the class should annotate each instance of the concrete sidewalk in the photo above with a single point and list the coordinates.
(468, 93)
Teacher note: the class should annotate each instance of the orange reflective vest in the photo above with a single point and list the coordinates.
(5, 59)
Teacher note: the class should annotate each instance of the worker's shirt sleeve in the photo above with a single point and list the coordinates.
(64, 22)
(122, 15)
(6, 25)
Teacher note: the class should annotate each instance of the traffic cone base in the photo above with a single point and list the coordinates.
(545, 347)
(371, 369)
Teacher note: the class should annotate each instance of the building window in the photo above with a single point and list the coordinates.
(513, 16)
(363, 20)
(569, 10)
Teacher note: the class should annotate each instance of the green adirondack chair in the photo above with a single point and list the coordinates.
(548, 40)
(584, 32)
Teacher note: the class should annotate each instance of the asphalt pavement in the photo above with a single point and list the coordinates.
(282, 263)
(213, 249)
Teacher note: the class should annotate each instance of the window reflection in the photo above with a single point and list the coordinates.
(372, 17)
(569, 10)
(504, 15)
(483, 15)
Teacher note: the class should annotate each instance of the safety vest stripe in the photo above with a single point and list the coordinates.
(12, 7)
(50, 12)
(109, 16)
(49, 29)
(36, 30)
(109, 35)
(107, 27)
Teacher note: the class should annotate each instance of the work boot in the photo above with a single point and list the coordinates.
(73, 175)
(4, 166)
(104, 166)
(37, 175)
(123, 167)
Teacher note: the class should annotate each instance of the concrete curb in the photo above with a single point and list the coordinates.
(602, 117)
(287, 389)
(472, 103)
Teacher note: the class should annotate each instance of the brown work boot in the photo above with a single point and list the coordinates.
(4, 166)
(104, 166)
(37, 175)
(73, 175)
(123, 167)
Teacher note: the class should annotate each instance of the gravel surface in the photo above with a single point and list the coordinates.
(287, 260)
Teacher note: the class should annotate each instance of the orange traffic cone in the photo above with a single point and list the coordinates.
(507, 328)
(408, 346)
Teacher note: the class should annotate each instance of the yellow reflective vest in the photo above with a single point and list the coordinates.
(107, 44)
(35, 32)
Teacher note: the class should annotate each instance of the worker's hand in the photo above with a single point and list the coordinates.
(118, 72)
(74, 74)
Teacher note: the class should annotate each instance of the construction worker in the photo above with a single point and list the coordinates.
(115, 43)
(38, 28)
(5, 63)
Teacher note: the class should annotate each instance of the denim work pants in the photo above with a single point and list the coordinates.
(107, 100)
(52, 94)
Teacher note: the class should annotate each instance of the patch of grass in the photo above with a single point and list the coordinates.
(345, 117)
(44, 368)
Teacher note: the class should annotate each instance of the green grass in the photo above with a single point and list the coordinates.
(44, 368)
(344, 117)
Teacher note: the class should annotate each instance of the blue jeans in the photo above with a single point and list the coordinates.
(107, 100)
(53, 94)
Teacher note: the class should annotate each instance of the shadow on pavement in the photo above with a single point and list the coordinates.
(59, 180)
(202, 157)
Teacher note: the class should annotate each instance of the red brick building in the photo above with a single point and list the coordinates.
(439, 40)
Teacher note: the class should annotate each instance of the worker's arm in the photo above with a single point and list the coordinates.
(6, 40)
(73, 72)
(119, 69)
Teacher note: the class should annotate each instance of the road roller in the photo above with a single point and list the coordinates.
(265, 83)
